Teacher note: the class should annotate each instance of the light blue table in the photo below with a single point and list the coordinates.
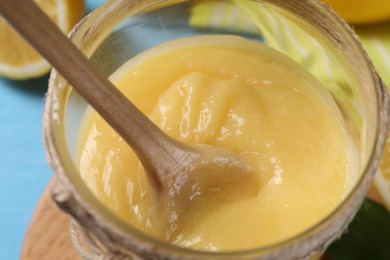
(24, 171)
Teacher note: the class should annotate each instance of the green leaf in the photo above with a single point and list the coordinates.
(368, 236)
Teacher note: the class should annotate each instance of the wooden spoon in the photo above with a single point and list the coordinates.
(175, 169)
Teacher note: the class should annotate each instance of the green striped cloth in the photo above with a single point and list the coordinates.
(376, 40)
(247, 18)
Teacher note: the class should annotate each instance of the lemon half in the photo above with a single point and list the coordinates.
(361, 11)
(20, 61)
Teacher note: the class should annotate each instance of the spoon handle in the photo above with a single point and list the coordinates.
(148, 141)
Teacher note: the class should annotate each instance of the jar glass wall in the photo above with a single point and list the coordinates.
(306, 31)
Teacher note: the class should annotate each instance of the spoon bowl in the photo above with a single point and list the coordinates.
(216, 176)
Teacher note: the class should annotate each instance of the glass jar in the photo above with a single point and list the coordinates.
(305, 30)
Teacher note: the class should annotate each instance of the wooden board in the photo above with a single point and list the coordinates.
(48, 236)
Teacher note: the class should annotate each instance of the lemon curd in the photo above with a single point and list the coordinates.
(234, 93)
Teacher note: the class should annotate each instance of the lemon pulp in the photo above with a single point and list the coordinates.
(18, 60)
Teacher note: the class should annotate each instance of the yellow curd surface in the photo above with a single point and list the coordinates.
(238, 94)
